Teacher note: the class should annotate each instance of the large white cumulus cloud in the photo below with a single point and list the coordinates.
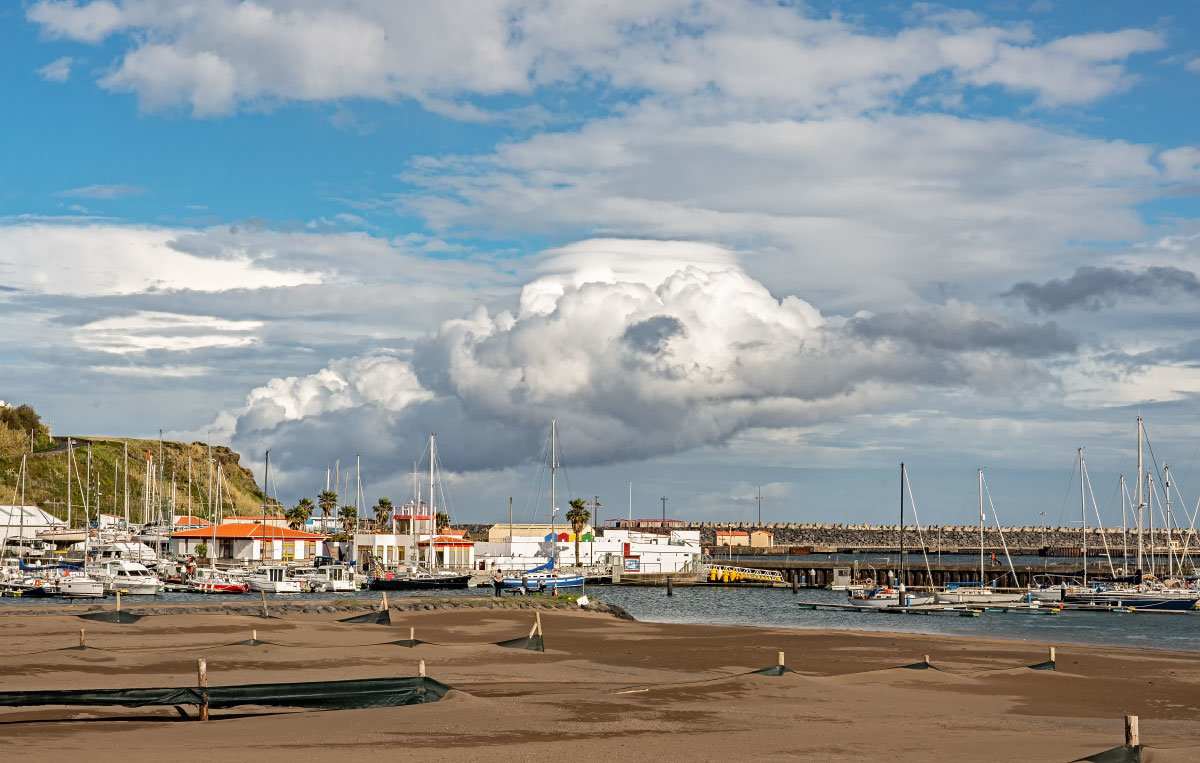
(642, 348)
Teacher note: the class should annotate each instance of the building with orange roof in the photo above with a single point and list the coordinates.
(733, 538)
(248, 542)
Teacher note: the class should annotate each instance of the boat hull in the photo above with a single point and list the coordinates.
(978, 597)
(892, 600)
(81, 588)
(1137, 601)
(541, 583)
(420, 583)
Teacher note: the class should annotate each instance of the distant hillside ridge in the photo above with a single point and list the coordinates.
(46, 480)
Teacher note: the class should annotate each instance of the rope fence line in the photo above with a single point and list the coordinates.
(532, 642)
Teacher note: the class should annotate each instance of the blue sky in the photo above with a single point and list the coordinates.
(725, 243)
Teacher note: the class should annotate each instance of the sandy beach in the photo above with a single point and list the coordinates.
(604, 687)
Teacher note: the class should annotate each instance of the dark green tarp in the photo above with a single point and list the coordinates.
(328, 695)
(1122, 754)
(111, 616)
(532, 643)
(774, 670)
(378, 617)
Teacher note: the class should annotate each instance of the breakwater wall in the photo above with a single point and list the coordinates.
(848, 537)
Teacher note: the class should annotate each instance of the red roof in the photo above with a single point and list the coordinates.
(246, 530)
(196, 521)
(251, 518)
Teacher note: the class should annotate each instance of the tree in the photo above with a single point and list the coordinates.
(327, 500)
(202, 550)
(299, 514)
(349, 516)
(443, 520)
(383, 510)
(578, 516)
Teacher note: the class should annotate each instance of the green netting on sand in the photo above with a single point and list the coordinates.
(112, 616)
(327, 695)
(532, 643)
(378, 617)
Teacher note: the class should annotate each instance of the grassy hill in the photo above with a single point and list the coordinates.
(46, 481)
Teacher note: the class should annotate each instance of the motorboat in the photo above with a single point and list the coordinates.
(336, 578)
(890, 597)
(210, 580)
(80, 586)
(128, 577)
(274, 578)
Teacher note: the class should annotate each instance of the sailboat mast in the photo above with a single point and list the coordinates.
(1083, 516)
(1167, 493)
(215, 498)
(1124, 527)
(979, 474)
(266, 492)
(87, 503)
(1150, 506)
(68, 482)
(125, 490)
(432, 509)
(901, 581)
(23, 466)
(1140, 502)
(554, 485)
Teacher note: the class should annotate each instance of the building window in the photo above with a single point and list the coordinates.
(310, 550)
(289, 551)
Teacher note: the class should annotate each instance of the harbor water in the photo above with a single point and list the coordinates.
(776, 607)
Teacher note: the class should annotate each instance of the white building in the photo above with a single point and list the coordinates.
(635, 551)
(28, 519)
(246, 542)
(396, 550)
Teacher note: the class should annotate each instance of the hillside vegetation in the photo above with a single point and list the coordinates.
(46, 480)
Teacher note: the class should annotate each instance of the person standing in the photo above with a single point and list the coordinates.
(497, 582)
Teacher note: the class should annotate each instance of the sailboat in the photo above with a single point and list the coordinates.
(892, 597)
(547, 577)
(1145, 592)
(977, 593)
(429, 577)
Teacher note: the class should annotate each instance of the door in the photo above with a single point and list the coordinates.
(289, 551)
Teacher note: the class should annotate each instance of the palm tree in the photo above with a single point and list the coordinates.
(383, 509)
(349, 516)
(442, 520)
(327, 500)
(578, 516)
(299, 514)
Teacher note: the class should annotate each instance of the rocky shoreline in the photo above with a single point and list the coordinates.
(332, 606)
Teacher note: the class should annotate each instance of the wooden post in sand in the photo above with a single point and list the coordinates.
(202, 680)
(412, 634)
(781, 659)
(385, 604)
(669, 592)
(538, 622)
(421, 668)
(1132, 737)
(254, 634)
(81, 642)
(926, 659)
(264, 601)
(118, 601)
(1051, 654)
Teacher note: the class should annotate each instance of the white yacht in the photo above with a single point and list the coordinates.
(335, 577)
(890, 597)
(977, 594)
(274, 579)
(81, 586)
(128, 577)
